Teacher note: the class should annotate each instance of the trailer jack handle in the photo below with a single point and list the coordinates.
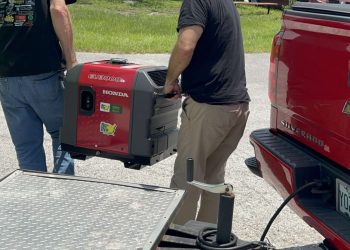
(224, 226)
(221, 237)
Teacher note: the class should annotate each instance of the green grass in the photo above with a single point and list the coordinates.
(149, 26)
(258, 28)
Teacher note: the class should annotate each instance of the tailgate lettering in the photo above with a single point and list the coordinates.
(303, 133)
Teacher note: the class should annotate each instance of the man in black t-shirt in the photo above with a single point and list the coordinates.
(35, 41)
(209, 56)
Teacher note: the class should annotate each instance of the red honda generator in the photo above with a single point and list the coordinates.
(115, 109)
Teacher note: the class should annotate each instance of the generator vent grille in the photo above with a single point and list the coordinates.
(158, 76)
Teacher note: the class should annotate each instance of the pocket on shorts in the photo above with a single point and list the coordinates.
(4, 86)
(3, 83)
(48, 86)
(184, 113)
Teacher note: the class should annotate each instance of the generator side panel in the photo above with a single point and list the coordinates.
(164, 123)
(68, 133)
(142, 110)
(154, 120)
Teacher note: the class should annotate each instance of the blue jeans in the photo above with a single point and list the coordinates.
(29, 102)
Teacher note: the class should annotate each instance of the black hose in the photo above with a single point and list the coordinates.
(291, 196)
(207, 241)
(207, 238)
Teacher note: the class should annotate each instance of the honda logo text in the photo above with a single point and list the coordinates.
(115, 93)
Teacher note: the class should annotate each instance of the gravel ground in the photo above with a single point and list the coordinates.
(255, 200)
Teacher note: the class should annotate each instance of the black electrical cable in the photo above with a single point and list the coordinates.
(207, 241)
(291, 196)
(207, 236)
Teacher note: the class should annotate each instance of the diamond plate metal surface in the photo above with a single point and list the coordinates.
(39, 211)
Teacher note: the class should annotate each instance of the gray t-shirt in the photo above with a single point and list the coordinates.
(216, 73)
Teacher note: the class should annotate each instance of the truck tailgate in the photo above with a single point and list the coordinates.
(313, 82)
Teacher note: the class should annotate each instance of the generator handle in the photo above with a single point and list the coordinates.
(167, 95)
(118, 61)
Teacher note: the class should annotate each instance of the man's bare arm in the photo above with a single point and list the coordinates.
(181, 56)
(63, 27)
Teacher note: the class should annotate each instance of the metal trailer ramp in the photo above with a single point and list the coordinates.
(46, 211)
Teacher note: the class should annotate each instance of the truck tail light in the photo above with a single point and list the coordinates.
(273, 67)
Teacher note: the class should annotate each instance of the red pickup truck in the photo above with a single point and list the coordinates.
(306, 150)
